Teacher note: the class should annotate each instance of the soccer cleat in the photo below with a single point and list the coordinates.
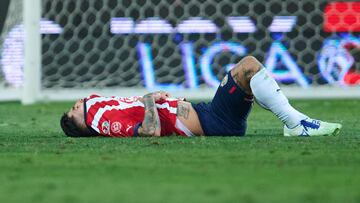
(312, 127)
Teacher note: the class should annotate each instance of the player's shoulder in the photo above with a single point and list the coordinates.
(92, 96)
(120, 98)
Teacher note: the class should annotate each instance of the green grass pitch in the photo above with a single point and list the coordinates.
(39, 164)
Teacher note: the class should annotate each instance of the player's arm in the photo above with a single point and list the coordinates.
(151, 124)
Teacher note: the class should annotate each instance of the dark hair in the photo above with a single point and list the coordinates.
(71, 129)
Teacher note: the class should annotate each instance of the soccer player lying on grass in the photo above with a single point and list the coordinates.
(156, 114)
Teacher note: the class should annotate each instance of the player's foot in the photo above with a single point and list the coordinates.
(312, 127)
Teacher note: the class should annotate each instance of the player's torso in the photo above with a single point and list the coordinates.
(120, 116)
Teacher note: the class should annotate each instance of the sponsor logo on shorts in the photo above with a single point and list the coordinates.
(116, 127)
(224, 81)
(105, 127)
(232, 89)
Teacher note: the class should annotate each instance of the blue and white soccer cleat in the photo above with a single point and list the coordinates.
(312, 127)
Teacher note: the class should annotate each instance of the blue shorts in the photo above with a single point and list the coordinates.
(227, 113)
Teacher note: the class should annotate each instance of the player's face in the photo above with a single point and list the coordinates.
(77, 112)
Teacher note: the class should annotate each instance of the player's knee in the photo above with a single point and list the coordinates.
(245, 70)
(250, 66)
(250, 63)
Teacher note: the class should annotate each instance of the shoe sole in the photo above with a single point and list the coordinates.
(336, 131)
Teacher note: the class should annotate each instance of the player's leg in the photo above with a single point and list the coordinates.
(250, 75)
(226, 114)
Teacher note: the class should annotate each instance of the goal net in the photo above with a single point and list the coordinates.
(132, 46)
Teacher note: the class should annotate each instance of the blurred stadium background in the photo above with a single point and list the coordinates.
(66, 49)
(131, 46)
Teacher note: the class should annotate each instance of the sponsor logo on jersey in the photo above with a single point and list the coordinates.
(105, 127)
(116, 127)
(224, 81)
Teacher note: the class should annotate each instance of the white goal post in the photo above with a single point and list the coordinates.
(58, 50)
(32, 51)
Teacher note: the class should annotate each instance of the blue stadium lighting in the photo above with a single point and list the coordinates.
(345, 35)
(160, 26)
(50, 27)
(335, 60)
(177, 38)
(197, 25)
(207, 58)
(283, 23)
(188, 59)
(279, 52)
(121, 25)
(241, 24)
(146, 64)
(12, 55)
(189, 65)
(277, 36)
(153, 26)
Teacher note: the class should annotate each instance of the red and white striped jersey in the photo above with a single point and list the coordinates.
(121, 116)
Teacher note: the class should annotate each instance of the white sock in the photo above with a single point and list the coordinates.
(268, 94)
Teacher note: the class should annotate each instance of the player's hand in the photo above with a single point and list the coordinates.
(160, 95)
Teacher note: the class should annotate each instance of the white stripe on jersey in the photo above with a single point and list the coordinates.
(166, 106)
(96, 129)
(93, 101)
(171, 99)
(121, 106)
